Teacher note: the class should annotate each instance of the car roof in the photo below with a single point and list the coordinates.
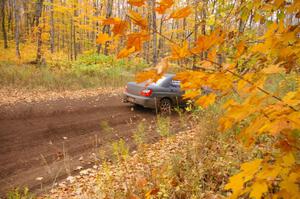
(169, 75)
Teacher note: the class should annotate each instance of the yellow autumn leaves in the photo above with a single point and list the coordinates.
(263, 175)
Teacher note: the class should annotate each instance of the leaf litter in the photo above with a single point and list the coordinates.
(92, 182)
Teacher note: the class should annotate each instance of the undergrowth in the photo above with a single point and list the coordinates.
(199, 169)
(88, 71)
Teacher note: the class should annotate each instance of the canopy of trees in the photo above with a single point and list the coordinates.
(233, 46)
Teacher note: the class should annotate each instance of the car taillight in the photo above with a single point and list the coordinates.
(146, 92)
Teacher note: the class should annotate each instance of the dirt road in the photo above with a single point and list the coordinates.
(41, 143)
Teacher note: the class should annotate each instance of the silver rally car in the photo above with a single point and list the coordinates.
(162, 95)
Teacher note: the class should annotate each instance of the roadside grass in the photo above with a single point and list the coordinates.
(20, 194)
(88, 71)
(198, 169)
(163, 126)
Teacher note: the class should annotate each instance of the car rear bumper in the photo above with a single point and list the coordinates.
(140, 100)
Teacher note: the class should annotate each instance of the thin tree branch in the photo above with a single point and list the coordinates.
(229, 71)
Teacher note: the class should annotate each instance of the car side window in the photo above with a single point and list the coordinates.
(175, 83)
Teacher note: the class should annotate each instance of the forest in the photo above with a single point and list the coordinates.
(64, 67)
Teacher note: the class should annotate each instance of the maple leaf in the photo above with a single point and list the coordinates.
(138, 19)
(242, 83)
(102, 38)
(120, 27)
(137, 3)
(181, 13)
(251, 167)
(125, 52)
(212, 55)
(288, 160)
(236, 184)
(180, 52)
(258, 189)
(136, 39)
(110, 21)
(204, 42)
(206, 100)
(292, 98)
(248, 170)
(289, 184)
(164, 5)
(191, 94)
(269, 172)
(240, 49)
(150, 76)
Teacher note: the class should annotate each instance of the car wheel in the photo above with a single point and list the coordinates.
(165, 106)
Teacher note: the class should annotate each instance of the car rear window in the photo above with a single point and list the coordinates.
(160, 81)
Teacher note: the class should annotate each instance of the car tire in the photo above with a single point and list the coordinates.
(165, 106)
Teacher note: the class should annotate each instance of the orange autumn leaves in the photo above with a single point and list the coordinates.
(181, 13)
(103, 38)
(163, 6)
(135, 40)
(255, 111)
(137, 3)
(119, 28)
(138, 19)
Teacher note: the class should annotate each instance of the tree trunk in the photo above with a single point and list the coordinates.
(11, 12)
(154, 27)
(17, 26)
(160, 40)
(195, 31)
(3, 23)
(98, 8)
(106, 28)
(64, 27)
(74, 30)
(71, 39)
(147, 44)
(26, 17)
(38, 14)
(52, 36)
(203, 26)
(241, 23)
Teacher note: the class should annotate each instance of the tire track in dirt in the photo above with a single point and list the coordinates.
(50, 139)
